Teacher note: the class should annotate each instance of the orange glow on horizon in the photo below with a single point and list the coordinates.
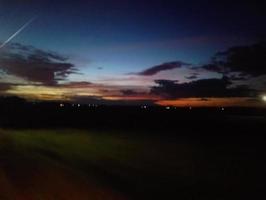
(212, 102)
(34, 92)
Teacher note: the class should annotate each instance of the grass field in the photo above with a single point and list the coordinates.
(80, 164)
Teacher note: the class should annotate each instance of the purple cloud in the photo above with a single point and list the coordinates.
(162, 67)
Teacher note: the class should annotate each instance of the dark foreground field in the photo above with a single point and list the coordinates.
(196, 157)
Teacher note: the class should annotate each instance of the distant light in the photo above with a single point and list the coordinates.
(264, 98)
(144, 107)
(222, 109)
(61, 105)
(73, 105)
(167, 108)
(190, 108)
(78, 105)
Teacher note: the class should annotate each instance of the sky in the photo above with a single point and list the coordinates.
(147, 52)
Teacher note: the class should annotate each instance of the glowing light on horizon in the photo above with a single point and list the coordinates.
(212, 102)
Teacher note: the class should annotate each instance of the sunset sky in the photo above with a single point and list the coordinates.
(109, 52)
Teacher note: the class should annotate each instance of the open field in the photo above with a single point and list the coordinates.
(82, 164)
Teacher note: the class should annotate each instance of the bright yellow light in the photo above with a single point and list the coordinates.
(264, 98)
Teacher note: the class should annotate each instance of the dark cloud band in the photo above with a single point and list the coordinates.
(162, 67)
(35, 65)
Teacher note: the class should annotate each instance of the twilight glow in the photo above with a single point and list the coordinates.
(168, 53)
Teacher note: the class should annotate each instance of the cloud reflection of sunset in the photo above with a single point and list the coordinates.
(212, 102)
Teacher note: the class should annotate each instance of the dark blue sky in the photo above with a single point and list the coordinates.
(109, 41)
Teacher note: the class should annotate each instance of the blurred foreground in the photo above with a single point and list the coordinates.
(82, 164)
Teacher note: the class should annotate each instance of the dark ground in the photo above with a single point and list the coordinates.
(179, 153)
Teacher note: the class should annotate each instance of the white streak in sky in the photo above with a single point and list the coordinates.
(17, 32)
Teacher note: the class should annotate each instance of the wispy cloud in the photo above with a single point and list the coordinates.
(162, 67)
